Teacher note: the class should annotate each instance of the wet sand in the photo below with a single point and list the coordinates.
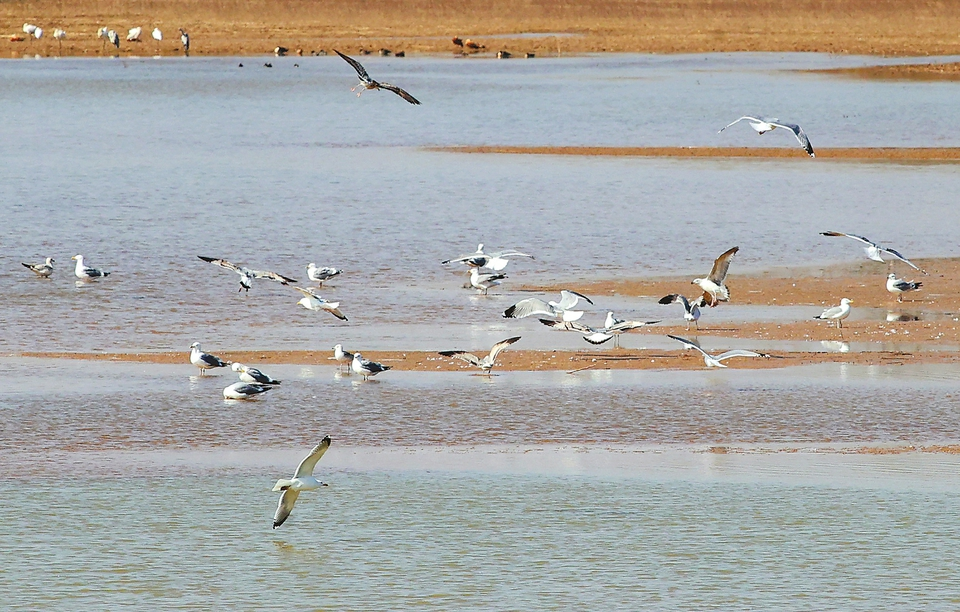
(873, 154)
(250, 27)
(909, 72)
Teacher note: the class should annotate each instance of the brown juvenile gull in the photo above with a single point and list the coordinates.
(367, 83)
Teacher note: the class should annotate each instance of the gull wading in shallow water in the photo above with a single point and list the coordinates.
(873, 250)
(302, 480)
(899, 286)
(252, 375)
(246, 274)
(367, 83)
(244, 390)
(365, 367)
(43, 270)
(714, 362)
(86, 273)
(312, 301)
(488, 361)
(691, 310)
(205, 361)
(714, 291)
(536, 306)
(836, 313)
(762, 126)
(342, 357)
(483, 282)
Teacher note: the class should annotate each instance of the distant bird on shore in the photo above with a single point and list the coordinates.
(873, 250)
(836, 313)
(561, 310)
(43, 270)
(29, 29)
(114, 38)
(157, 36)
(899, 287)
(488, 361)
(205, 361)
(483, 282)
(469, 44)
(303, 480)
(59, 34)
(185, 41)
(714, 289)
(342, 357)
(715, 361)
(38, 33)
(246, 274)
(762, 126)
(86, 273)
(102, 34)
(133, 34)
(457, 41)
(365, 367)
(280, 51)
(252, 375)
(691, 310)
(312, 301)
(320, 275)
(244, 390)
(367, 83)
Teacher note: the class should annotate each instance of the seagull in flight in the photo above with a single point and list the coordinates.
(43, 270)
(367, 83)
(612, 328)
(715, 362)
(873, 250)
(319, 275)
(836, 313)
(312, 301)
(205, 361)
(252, 375)
(302, 480)
(246, 274)
(763, 126)
(536, 306)
(86, 273)
(494, 261)
(487, 362)
(691, 310)
(714, 291)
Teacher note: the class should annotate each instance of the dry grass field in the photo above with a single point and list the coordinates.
(239, 27)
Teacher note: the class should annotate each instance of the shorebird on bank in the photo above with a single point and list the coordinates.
(185, 41)
(485, 363)
(691, 310)
(320, 275)
(114, 38)
(59, 34)
(312, 301)
(715, 361)
(205, 361)
(157, 36)
(252, 375)
(873, 250)
(714, 289)
(365, 367)
(899, 286)
(43, 270)
(244, 390)
(86, 273)
(133, 34)
(246, 274)
(836, 313)
(762, 126)
(367, 83)
(561, 310)
(303, 480)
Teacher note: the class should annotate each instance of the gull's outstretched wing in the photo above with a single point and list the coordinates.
(283, 280)
(356, 65)
(754, 119)
(499, 346)
(223, 263)
(902, 258)
(310, 461)
(568, 326)
(688, 344)
(854, 236)
(462, 355)
(798, 132)
(568, 299)
(527, 307)
(625, 326)
(739, 353)
(598, 337)
(721, 265)
(400, 92)
(285, 507)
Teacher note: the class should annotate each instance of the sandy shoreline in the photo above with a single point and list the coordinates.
(873, 154)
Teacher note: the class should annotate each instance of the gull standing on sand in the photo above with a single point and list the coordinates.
(43, 270)
(763, 126)
(114, 38)
(714, 289)
(342, 357)
(836, 313)
(715, 362)
(244, 390)
(157, 36)
(483, 282)
(319, 275)
(302, 480)
(102, 34)
(185, 39)
(365, 367)
(691, 310)
(205, 361)
(59, 34)
(367, 83)
(133, 34)
(252, 375)
(899, 286)
(312, 301)
(246, 274)
(488, 361)
(85, 273)
(536, 306)
(873, 250)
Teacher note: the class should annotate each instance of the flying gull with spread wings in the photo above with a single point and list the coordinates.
(495, 261)
(715, 362)
(612, 328)
(303, 480)
(691, 309)
(312, 301)
(536, 306)
(367, 83)
(485, 363)
(246, 274)
(763, 126)
(873, 250)
(714, 291)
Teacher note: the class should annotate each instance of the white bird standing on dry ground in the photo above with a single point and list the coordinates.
(483, 282)
(244, 390)
(714, 362)
(365, 367)
(763, 126)
(714, 289)
(836, 313)
(29, 29)
(319, 275)
(157, 36)
(302, 480)
(133, 34)
(536, 306)
(185, 40)
(114, 38)
(252, 375)
(899, 286)
(102, 34)
(43, 270)
(312, 301)
(59, 34)
(86, 273)
(342, 357)
(691, 310)
(38, 33)
(873, 250)
(488, 361)
(246, 274)
(367, 83)
(205, 361)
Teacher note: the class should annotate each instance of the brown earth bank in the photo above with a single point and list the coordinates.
(245, 27)
(893, 154)
(908, 72)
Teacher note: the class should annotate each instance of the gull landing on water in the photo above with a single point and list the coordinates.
(86, 273)
(302, 480)
(488, 361)
(763, 126)
(536, 306)
(873, 250)
(43, 270)
(246, 274)
(312, 301)
(691, 310)
(715, 362)
(367, 83)
(714, 291)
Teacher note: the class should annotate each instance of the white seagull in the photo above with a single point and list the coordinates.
(114, 38)
(312, 301)
(714, 289)
(252, 375)
(612, 328)
(85, 273)
(185, 39)
(59, 34)
(897, 286)
(715, 362)
(319, 275)
(244, 390)
(365, 367)
(133, 35)
(536, 306)
(488, 361)
(873, 250)
(29, 29)
(494, 261)
(367, 83)
(38, 33)
(836, 313)
(102, 34)
(157, 36)
(342, 356)
(302, 480)
(691, 310)
(483, 282)
(43, 270)
(766, 125)
(246, 274)
(205, 361)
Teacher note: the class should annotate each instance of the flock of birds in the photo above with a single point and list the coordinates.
(107, 35)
